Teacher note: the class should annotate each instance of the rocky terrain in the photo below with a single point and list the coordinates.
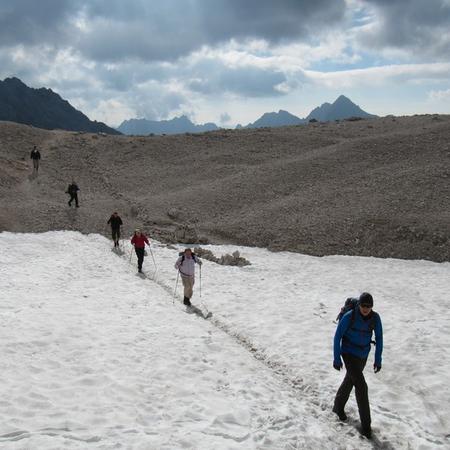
(369, 187)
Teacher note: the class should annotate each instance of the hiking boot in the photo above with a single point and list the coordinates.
(367, 432)
(341, 414)
(187, 302)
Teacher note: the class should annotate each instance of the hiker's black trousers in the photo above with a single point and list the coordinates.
(73, 197)
(140, 256)
(354, 377)
(115, 232)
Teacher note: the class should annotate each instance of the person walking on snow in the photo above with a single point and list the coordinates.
(352, 341)
(35, 156)
(139, 240)
(116, 223)
(186, 266)
(72, 190)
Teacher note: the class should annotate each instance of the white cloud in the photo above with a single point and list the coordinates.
(224, 119)
(111, 111)
(402, 73)
(439, 96)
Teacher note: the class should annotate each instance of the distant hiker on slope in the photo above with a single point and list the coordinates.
(35, 156)
(116, 223)
(186, 266)
(352, 340)
(139, 240)
(72, 190)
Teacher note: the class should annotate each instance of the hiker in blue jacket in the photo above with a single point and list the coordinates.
(352, 341)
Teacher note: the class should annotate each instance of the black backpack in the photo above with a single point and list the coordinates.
(351, 305)
(194, 257)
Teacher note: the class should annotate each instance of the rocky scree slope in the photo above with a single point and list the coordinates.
(375, 187)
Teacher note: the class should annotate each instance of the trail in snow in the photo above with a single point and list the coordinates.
(283, 372)
(94, 353)
(283, 307)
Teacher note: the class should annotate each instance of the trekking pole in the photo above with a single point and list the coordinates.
(208, 313)
(200, 281)
(131, 253)
(151, 253)
(175, 290)
(122, 241)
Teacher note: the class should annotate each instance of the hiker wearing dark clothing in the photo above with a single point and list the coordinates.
(186, 266)
(139, 240)
(116, 223)
(352, 341)
(35, 156)
(72, 190)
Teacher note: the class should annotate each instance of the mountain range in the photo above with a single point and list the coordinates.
(43, 108)
(174, 126)
(342, 108)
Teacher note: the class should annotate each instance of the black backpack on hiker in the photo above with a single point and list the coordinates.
(194, 257)
(350, 305)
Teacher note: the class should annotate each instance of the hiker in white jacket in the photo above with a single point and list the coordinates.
(186, 266)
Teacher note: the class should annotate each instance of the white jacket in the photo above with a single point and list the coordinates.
(187, 268)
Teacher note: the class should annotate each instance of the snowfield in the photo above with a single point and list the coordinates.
(96, 356)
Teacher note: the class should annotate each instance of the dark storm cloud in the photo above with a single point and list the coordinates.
(116, 30)
(119, 41)
(411, 25)
(37, 22)
(271, 20)
(173, 28)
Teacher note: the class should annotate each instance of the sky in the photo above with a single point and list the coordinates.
(230, 61)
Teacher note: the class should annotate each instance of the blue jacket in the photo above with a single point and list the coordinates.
(355, 338)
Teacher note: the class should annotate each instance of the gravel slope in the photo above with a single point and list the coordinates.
(371, 187)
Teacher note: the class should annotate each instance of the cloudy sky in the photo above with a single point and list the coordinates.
(229, 61)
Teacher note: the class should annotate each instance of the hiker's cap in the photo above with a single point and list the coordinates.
(365, 299)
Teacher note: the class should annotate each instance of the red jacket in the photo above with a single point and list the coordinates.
(139, 241)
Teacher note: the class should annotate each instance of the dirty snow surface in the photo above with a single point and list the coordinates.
(96, 356)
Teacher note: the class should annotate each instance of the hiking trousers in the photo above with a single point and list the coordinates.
(35, 164)
(73, 197)
(115, 232)
(188, 284)
(140, 256)
(354, 377)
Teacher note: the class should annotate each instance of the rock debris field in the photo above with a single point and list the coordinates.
(377, 187)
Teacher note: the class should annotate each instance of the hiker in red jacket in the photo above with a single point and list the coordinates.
(139, 240)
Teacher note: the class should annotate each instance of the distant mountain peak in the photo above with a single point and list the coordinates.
(276, 119)
(341, 108)
(43, 108)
